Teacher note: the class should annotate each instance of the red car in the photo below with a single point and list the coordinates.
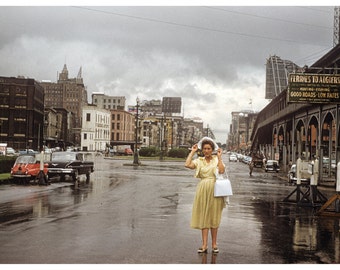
(27, 168)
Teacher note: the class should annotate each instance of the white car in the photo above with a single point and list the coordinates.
(293, 179)
(233, 158)
(10, 151)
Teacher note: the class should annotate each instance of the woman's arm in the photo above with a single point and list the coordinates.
(188, 163)
(220, 165)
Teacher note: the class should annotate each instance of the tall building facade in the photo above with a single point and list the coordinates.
(21, 113)
(70, 94)
(241, 129)
(150, 107)
(277, 71)
(57, 128)
(122, 126)
(95, 134)
(108, 102)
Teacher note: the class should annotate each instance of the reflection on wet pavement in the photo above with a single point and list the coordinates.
(143, 215)
(296, 235)
(209, 258)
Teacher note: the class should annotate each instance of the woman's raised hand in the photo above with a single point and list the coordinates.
(194, 148)
(219, 152)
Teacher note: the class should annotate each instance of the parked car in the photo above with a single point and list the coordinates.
(48, 150)
(272, 166)
(72, 164)
(246, 160)
(292, 176)
(257, 160)
(27, 168)
(239, 157)
(10, 151)
(333, 166)
(233, 158)
(28, 151)
(325, 166)
(123, 150)
(128, 151)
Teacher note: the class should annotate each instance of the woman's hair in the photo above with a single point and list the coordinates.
(211, 143)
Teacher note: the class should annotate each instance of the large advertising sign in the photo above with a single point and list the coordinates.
(313, 88)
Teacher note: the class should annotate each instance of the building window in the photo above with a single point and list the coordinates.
(88, 117)
(85, 136)
(4, 101)
(20, 92)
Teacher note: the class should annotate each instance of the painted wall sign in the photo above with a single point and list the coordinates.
(313, 88)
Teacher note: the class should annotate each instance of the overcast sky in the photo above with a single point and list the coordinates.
(213, 57)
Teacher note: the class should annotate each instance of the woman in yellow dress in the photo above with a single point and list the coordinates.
(207, 209)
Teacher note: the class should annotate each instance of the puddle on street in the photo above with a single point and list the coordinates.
(296, 234)
(147, 197)
(39, 205)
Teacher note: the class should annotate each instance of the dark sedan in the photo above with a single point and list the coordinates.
(272, 166)
(72, 164)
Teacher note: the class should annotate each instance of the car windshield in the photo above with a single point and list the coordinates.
(63, 156)
(25, 159)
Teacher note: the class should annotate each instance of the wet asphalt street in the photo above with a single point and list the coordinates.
(141, 215)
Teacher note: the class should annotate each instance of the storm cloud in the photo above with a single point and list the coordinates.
(212, 56)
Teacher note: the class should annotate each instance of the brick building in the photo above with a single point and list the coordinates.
(21, 113)
(70, 94)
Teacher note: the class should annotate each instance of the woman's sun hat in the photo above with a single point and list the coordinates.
(199, 144)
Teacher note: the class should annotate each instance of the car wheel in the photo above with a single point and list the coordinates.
(88, 177)
(290, 177)
(47, 179)
(75, 176)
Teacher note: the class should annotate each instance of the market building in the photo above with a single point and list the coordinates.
(303, 120)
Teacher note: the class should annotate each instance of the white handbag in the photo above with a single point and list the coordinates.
(222, 186)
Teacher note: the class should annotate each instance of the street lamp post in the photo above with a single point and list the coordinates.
(1, 122)
(135, 156)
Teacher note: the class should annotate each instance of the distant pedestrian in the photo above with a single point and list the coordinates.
(207, 209)
(251, 167)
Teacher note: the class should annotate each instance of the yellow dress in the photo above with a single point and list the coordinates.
(207, 210)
